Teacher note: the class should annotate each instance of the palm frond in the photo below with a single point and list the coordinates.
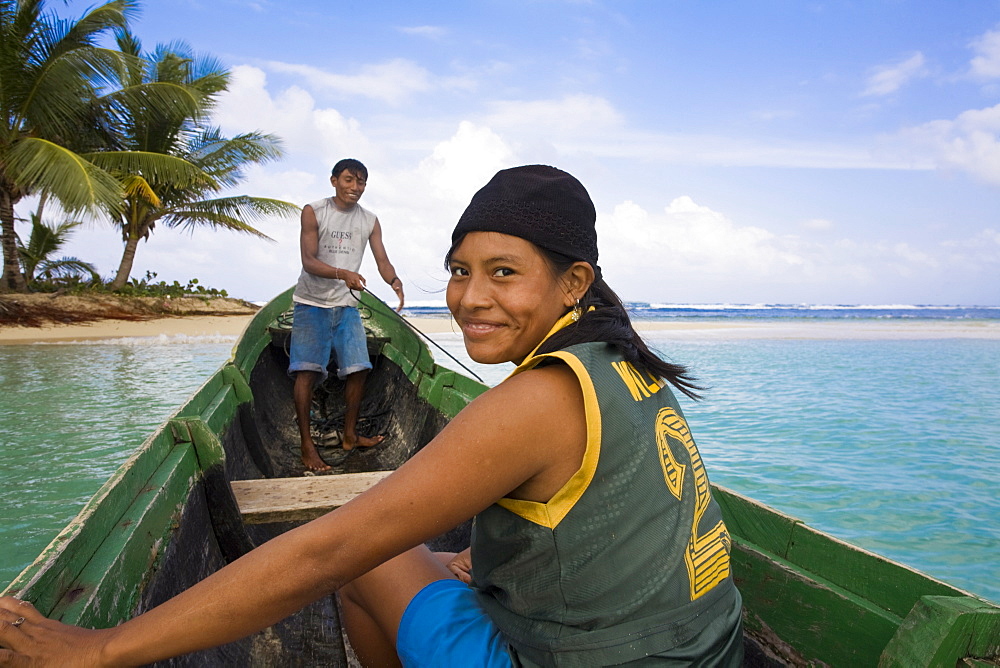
(138, 188)
(245, 206)
(226, 159)
(129, 43)
(154, 167)
(44, 241)
(37, 164)
(233, 213)
(109, 16)
(66, 268)
(65, 88)
(166, 98)
(190, 220)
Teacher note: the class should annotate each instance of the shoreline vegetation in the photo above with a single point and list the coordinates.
(54, 317)
(65, 318)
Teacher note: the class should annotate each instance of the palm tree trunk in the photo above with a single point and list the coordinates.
(125, 266)
(13, 279)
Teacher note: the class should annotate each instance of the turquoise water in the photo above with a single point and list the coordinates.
(70, 415)
(893, 445)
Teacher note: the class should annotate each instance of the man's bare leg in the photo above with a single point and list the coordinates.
(354, 389)
(302, 394)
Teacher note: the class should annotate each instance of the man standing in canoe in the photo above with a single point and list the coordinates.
(335, 231)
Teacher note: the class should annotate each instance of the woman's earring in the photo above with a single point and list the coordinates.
(577, 312)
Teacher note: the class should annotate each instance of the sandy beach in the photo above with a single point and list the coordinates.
(232, 325)
(192, 326)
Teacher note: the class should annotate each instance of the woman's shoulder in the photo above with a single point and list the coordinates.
(540, 381)
(540, 394)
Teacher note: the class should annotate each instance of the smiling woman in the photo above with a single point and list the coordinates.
(596, 541)
(503, 297)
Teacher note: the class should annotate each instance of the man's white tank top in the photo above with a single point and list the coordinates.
(343, 236)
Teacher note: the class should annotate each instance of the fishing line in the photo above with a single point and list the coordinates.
(414, 328)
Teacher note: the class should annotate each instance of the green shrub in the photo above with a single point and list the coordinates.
(146, 287)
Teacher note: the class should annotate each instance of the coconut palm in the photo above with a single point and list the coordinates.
(50, 71)
(61, 95)
(38, 255)
(173, 167)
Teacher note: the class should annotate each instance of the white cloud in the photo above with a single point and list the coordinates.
(981, 250)
(818, 224)
(684, 252)
(887, 79)
(463, 163)
(572, 115)
(970, 143)
(691, 253)
(542, 130)
(431, 32)
(715, 150)
(392, 82)
(774, 114)
(418, 201)
(310, 133)
(425, 169)
(692, 248)
(908, 260)
(709, 239)
(986, 64)
(419, 205)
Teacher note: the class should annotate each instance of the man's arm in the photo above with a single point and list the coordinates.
(309, 250)
(385, 268)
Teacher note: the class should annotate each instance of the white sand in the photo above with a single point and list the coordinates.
(195, 326)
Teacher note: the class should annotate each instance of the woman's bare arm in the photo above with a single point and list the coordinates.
(526, 435)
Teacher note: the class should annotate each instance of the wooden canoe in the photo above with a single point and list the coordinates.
(171, 515)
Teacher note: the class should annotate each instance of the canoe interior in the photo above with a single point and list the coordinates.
(167, 519)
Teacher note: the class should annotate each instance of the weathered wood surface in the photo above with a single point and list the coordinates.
(298, 499)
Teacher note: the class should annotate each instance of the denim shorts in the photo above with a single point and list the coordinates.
(316, 331)
(444, 625)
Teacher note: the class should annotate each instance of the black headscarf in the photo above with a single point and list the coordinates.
(541, 204)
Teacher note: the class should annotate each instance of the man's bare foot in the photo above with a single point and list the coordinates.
(313, 462)
(361, 442)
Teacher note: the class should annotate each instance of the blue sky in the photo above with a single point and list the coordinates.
(752, 152)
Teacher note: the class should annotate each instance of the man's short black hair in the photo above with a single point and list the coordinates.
(353, 166)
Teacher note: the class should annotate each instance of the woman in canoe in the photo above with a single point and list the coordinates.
(596, 539)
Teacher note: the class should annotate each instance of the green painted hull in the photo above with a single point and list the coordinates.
(167, 518)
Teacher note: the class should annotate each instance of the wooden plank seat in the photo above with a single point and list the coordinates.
(297, 499)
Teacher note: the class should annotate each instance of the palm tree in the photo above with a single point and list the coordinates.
(173, 168)
(37, 256)
(50, 71)
(61, 95)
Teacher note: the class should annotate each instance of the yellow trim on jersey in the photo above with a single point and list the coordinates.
(552, 513)
(530, 361)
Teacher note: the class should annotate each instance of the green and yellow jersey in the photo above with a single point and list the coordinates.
(630, 559)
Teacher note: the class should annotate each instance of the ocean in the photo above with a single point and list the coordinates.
(883, 435)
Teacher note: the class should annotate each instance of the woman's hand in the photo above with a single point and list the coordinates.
(29, 639)
(461, 565)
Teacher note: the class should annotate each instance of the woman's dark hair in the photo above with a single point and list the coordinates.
(609, 323)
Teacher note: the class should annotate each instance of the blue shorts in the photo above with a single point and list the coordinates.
(316, 331)
(444, 625)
